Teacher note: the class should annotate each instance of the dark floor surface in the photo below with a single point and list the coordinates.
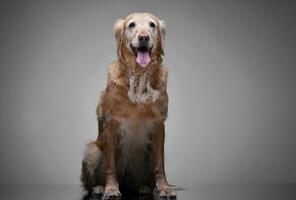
(201, 192)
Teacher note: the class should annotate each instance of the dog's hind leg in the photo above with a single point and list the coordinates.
(93, 176)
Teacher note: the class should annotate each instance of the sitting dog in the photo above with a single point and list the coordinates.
(128, 154)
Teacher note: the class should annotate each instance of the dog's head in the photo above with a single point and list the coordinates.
(140, 38)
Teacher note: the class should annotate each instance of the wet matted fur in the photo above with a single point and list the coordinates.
(129, 151)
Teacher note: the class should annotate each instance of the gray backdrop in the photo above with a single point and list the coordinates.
(232, 112)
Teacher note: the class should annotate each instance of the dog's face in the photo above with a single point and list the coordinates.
(142, 34)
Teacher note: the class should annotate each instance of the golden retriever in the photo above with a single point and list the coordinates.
(128, 154)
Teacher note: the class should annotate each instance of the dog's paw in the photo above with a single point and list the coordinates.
(97, 192)
(111, 193)
(165, 192)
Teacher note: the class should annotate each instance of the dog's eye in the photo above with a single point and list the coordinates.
(152, 24)
(132, 25)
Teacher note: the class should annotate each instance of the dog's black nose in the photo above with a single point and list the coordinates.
(144, 38)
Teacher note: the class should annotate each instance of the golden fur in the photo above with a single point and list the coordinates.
(128, 152)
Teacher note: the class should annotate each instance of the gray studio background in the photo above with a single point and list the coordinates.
(232, 88)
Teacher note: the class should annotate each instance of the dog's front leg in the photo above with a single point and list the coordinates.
(110, 136)
(158, 143)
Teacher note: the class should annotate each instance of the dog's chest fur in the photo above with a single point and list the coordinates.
(135, 132)
(135, 136)
(134, 147)
(140, 90)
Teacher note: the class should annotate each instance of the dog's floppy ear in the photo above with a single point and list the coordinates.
(162, 30)
(118, 33)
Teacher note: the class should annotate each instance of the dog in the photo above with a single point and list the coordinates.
(128, 155)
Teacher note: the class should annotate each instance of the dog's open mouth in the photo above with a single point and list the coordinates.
(142, 54)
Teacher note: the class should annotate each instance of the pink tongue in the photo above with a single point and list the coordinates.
(143, 58)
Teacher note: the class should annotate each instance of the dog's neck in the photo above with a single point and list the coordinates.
(140, 83)
(140, 87)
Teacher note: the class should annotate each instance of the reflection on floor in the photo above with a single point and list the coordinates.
(201, 192)
(153, 196)
(124, 197)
